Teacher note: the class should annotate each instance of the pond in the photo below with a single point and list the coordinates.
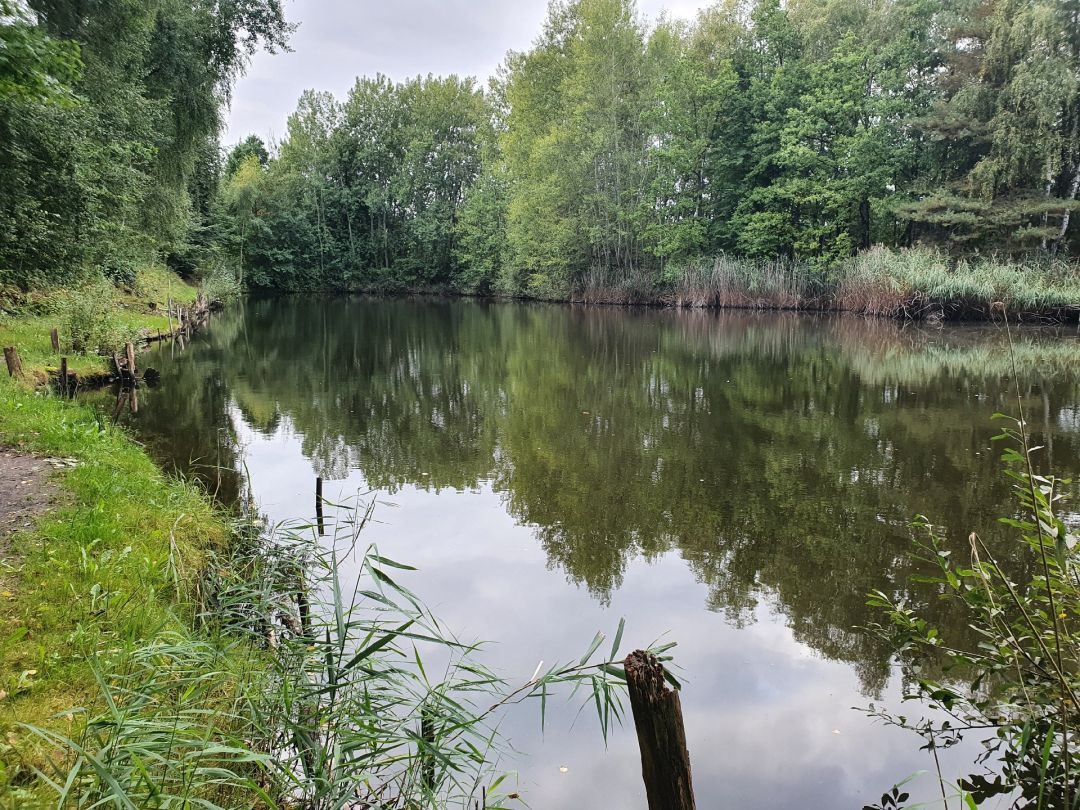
(733, 481)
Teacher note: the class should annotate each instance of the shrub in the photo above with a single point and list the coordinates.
(89, 318)
(1017, 689)
(221, 285)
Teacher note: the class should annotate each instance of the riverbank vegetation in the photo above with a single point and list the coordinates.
(93, 577)
(93, 318)
(754, 156)
(109, 120)
(1015, 690)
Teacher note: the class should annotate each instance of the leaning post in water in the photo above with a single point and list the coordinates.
(665, 761)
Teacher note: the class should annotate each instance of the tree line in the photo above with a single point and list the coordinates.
(614, 148)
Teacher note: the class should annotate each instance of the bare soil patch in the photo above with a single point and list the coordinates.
(25, 492)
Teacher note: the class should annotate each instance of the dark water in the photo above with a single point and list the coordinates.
(733, 480)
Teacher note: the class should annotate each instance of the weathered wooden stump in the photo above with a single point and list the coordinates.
(65, 378)
(14, 365)
(54, 336)
(665, 761)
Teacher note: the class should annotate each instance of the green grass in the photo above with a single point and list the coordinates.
(99, 571)
(156, 284)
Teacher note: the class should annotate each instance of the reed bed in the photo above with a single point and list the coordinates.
(923, 283)
(914, 284)
(747, 284)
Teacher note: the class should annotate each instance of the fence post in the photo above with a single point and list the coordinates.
(665, 762)
(14, 365)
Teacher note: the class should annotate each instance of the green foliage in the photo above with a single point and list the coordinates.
(480, 249)
(1017, 686)
(221, 284)
(34, 66)
(1004, 164)
(90, 321)
(369, 193)
(608, 151)
(109, 113)
(251, 146)
(612, 151)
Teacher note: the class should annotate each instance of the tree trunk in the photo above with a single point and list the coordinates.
(1074, 186)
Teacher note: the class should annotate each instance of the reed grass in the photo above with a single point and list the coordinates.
(744, 284)
(922, 283)
(917, 284)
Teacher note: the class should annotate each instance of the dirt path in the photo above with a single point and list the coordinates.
(25, 491)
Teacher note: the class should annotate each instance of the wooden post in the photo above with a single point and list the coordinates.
(129, 353)
(665, 762)
(318, 506)
(63, 375)
(55, 337)
(14, 365)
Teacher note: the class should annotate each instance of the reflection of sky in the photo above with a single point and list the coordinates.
(762, 710)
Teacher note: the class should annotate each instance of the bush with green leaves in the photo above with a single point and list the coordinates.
(1016, 689)
(89, 319)
(221, 284)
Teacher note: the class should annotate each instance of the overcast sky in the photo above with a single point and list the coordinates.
(339, 40)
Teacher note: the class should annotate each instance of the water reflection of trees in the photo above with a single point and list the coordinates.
(782, 457)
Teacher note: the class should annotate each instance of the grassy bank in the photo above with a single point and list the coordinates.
(86, 316)
(915, 284)
(98, 572)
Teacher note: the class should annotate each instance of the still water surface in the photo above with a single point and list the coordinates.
(733, 481)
